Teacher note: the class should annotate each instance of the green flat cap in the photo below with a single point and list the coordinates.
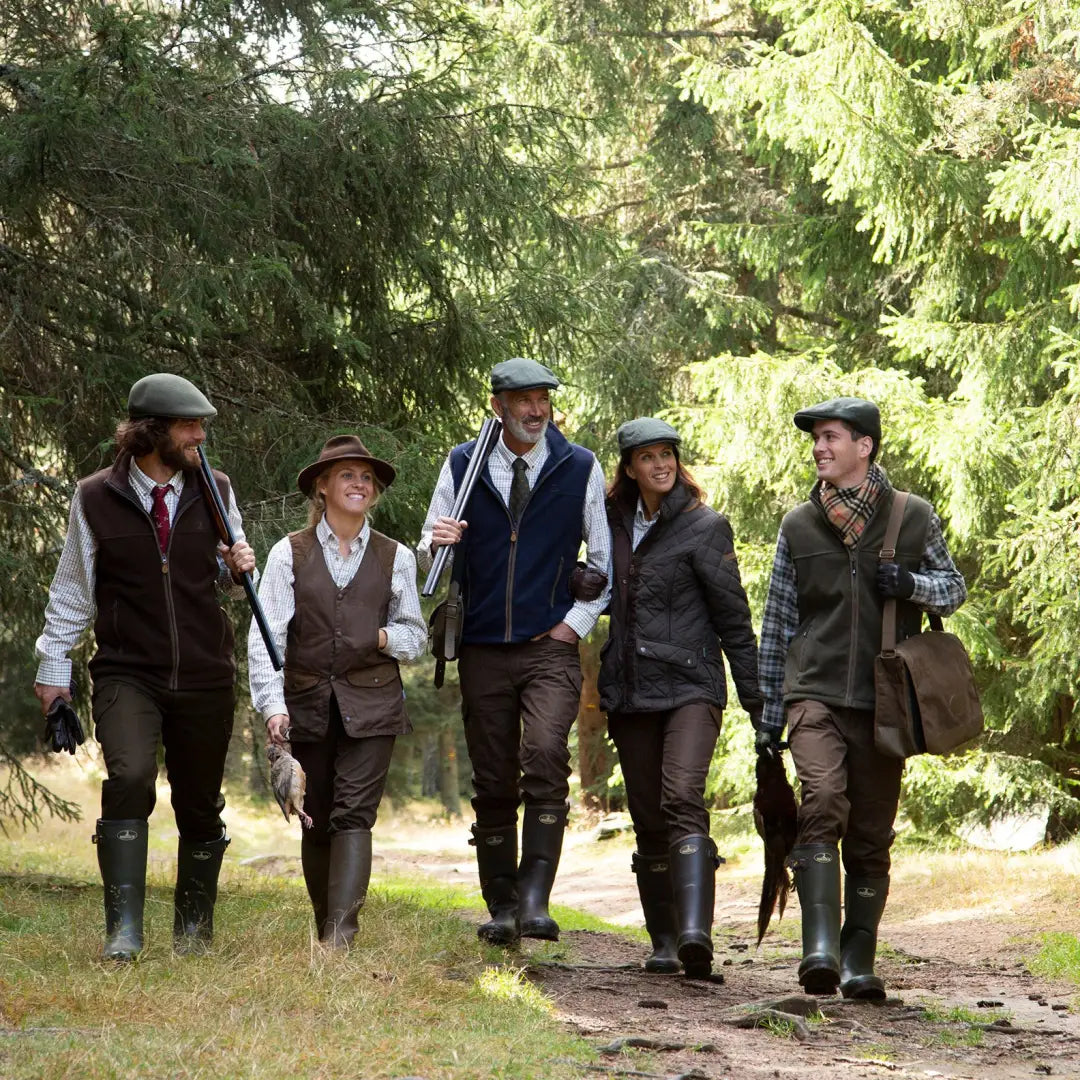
(644, 431)
(521, 374)
(862, 415)
(163, 394)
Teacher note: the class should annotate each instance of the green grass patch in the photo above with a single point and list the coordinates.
(417, 995)
(1059, 957)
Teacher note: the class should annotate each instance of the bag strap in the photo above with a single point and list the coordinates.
(888, 554)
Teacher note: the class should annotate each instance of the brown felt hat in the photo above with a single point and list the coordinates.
(344, 448)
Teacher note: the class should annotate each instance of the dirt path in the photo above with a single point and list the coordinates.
(963, 1003)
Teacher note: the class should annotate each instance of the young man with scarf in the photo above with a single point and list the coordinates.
(819, 636)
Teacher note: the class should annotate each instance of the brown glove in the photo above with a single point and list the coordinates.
(587, 583)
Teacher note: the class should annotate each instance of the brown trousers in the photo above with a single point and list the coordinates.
(850, 792)
(518, 703)
(132, 719)
(346, 778)
(665, 760)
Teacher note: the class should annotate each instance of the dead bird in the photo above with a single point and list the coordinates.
(289, 783)
(776, 817)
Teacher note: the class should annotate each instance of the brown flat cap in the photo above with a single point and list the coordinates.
(344, 448)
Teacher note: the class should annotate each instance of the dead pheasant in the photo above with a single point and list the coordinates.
(289, 783)
(776, 816)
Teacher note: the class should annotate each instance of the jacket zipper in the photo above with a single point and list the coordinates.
(555, 583)
(854, 628)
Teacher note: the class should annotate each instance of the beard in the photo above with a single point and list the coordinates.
(518, 430)
(173, 455)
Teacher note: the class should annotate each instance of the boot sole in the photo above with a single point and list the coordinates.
(820, 980)
(863, 988)
(663, 967)
(541, 929)
(496, 936)
(696, 960)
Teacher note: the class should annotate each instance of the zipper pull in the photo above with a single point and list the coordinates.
(513, 536)
(164, 566)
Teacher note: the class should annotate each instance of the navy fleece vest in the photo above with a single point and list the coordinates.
(517, 584)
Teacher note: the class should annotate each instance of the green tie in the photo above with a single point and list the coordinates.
(519, 489)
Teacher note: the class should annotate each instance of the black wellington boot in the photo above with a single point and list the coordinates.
(346, 886)
(496, 860)
(864, 902)
(121, 851)
(693, 876)
(541, 846)
(817, 879)
(197, 870)
(315, 859)
(658, 903)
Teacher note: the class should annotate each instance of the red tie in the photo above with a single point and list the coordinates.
(160, 513)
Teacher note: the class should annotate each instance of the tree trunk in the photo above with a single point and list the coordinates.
(449, 782)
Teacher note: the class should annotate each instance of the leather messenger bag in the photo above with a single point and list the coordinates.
(926, 701)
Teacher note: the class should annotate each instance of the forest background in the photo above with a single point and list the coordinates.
(337, 216)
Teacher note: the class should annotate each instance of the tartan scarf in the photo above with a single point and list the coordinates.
(849, 509)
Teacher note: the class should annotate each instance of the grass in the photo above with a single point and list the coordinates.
(1058, 956)
(417, 996)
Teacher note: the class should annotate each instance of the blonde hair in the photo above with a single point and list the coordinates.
(318, 500)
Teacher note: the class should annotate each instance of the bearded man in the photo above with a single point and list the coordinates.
(538, 498)
(143, 564)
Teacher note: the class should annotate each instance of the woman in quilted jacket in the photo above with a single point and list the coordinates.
(677, 607)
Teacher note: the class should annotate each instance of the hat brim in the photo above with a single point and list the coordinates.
(805, 421)
(384, 471)
(638, 443)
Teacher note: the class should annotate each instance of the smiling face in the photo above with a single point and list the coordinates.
(654, 467)
(525, 415)
(842, 456)
(349, 489)
(180, 447)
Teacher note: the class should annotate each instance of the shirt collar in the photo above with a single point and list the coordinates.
(143, 485)
(325, 535)
(639, 514)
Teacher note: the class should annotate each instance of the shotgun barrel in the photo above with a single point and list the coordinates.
(485, 443)
(228, 537)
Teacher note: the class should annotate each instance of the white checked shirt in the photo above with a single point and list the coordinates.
(642, 524)
(581, 618)
(406, 630)
(72, 606)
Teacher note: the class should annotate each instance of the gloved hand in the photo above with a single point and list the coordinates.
(894, 580)
(767, 740)
(63, 729)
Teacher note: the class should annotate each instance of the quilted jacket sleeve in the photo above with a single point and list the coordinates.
(717, 569)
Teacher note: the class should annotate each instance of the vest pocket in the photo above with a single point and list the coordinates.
(667, 653)
(555, 583)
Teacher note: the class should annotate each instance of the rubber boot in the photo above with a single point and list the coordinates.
(121, 851)
(315, 859)
(541, 846)
(693, 865)
(817, 879)
(346, 886)
(496, 860)
(658, 904)
(197, 870)
(864, 902)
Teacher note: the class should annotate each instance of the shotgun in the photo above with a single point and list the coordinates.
(228, 538)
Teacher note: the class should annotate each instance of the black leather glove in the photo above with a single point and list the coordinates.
(894, 580)
(767, 740)
(63, 729)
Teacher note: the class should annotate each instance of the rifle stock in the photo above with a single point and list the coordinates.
(225, 532)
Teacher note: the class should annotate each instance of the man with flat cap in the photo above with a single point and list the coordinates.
(525, 609)
(819, 636)
(143, 564)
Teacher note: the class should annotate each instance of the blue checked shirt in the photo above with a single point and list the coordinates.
(939, 589)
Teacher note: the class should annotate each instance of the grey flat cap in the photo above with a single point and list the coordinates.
(644, 431)
(168, 395)
(521, 374)
(862, 415)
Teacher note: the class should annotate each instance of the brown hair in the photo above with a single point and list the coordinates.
(318, 499)
(624, 488)
(143, 436)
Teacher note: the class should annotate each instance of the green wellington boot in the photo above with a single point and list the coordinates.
(197, 869)
(693, 865)
(817, 879)
(121, 850)
(658, 904)
(864, 903)
(541, 847)
(496, 860)
(347, 885)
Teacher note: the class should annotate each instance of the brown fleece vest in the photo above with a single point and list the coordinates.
(332, 645)
(158, 618)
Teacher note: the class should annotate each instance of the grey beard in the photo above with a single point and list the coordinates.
(519, 432)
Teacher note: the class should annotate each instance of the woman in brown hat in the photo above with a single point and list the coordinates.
(342, 604)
